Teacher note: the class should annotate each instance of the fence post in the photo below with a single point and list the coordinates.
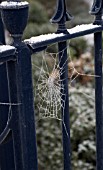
(97, 11)
(15, 16)
(6, 162)
(60, 17)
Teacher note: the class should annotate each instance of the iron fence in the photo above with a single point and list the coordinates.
(16, 79)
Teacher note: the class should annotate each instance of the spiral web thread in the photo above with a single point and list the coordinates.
(49, 85)
(48, 91)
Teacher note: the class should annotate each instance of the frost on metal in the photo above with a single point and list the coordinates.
(83, 27)
(53, 36)
(44, 37)
(11, 4)
(4, 48)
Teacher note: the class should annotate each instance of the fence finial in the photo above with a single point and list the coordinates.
(97, 10)
(61, 16)
(15, 15)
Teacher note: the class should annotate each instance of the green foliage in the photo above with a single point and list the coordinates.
(33, 29)
(49, 144)
(82, 128)
(80, 10)
(78, 46)
(37, 13)
(38, 22)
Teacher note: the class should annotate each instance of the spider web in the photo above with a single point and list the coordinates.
(50, 89)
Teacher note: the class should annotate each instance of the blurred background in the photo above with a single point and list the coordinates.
(81, 92)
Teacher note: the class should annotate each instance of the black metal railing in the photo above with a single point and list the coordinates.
(19, 131)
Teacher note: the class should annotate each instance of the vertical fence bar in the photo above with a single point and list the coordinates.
(13, 98)
(97, 10)
(60, 17)
(63, 60)
(98, 99)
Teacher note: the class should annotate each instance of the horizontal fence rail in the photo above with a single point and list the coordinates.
(20, 126)
(78, 31)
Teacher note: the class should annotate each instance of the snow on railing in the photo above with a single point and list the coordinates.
(4, 48)
(11, 4)
(76, 30)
